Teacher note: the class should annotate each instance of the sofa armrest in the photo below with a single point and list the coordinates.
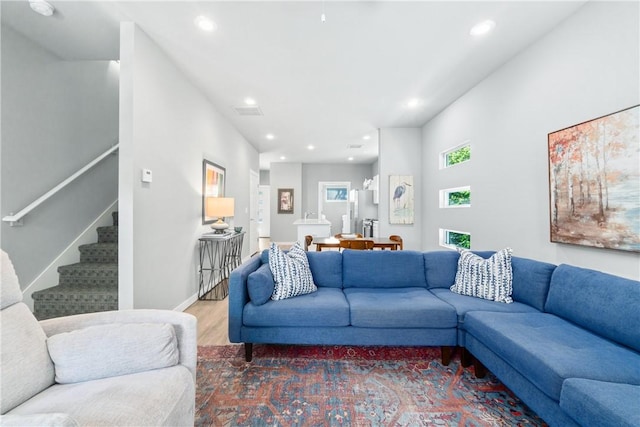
(186, 327)
(239, 295)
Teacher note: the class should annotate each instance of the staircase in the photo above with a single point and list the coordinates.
(88, 286)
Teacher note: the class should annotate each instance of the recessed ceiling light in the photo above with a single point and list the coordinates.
(270, 136)
(250, 101)
(366, 137)
(350, 159)
(414, 103)
(282, 158)
(310, 147)
(42, 7)
(482, 28)
(205, 24)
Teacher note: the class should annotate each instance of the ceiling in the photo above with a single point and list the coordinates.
(326, 84)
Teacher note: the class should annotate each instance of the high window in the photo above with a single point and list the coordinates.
(455, 239)
(455, 155)
(459, 197)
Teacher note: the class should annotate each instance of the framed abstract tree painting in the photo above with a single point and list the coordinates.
(594, 182)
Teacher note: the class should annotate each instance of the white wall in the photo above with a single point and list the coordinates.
(587, 67)
(400, 154)
(168, 126)
(57, 116)
(285, 175)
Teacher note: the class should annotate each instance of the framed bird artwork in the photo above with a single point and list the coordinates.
(401, 200)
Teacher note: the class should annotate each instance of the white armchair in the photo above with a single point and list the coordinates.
(118, 368)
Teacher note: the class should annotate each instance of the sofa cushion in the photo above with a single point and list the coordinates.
(25, 364)
(260, 285)
(326, 307)
(602, 404)
(547, 349)
(531, 281)
(464, 304)
(326, 268)
(291, 272)
(152, 398)
(383, 269)
(109, 350)
(600, 302)
(441, 267)
(485, 278)
(398, 308)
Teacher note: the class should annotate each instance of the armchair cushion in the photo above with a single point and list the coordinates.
(38, 420)
(24, 361)
(110, 350)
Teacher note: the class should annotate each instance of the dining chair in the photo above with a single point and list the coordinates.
(397, 238)
(307, 242)
(356, 244)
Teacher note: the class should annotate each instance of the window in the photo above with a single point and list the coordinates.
(459, 197)
(455, 239)
(456, 155)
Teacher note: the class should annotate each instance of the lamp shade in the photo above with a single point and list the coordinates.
(219, 207)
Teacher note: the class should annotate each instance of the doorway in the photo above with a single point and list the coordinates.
(333, 203)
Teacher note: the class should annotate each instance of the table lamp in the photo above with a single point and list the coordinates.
(219, 207)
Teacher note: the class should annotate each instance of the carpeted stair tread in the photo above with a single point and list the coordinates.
(108, 234)
(99, 252)
(88, 273)
(64, 300)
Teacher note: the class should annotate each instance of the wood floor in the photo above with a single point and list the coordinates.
(213, 321)
(213, 316)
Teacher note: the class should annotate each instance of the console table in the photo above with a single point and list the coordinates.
(219, 254)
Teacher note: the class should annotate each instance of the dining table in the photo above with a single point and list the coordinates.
(334, 242)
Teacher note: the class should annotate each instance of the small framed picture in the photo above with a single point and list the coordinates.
(285, 200)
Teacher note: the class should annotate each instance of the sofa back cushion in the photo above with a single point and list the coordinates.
(383, 269)
(530, 278)
(531, 281)
(441, 267)
(25, 364)
(326, 268)
(603, 303)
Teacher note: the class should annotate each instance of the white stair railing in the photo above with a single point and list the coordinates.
(15, 219)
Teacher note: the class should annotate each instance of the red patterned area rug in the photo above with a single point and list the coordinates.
(348, 386)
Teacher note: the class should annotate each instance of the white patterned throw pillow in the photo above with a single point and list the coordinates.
(291, 272)
(485, 278)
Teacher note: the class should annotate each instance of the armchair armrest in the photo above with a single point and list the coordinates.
(186, 327)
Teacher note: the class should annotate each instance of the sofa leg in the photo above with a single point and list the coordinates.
(446, 353)
(466, 358)
(479, 369)
(248, 351)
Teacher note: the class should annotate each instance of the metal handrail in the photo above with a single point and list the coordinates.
(14, 219)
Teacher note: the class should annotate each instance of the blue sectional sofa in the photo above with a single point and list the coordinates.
(568, 346)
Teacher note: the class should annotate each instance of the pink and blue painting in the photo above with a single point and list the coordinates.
(594, 182)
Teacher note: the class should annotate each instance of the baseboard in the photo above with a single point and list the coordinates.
(70, 255)
(193, 298)
(184, 305)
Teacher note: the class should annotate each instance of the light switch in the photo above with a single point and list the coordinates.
(147, 175)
